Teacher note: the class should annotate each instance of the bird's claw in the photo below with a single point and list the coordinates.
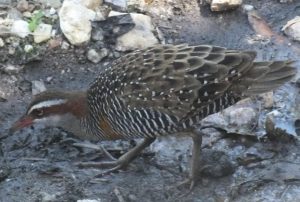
(189, 181)
(112, 165)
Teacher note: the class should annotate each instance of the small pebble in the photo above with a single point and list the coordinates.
(49, 79)
(52, 11)
(1, 42)
(38, 87)
(28, 48)
(65, 45)
(23, 5)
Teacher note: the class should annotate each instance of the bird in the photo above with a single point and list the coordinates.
(157, 91)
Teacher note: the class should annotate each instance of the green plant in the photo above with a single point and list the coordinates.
(35, 20)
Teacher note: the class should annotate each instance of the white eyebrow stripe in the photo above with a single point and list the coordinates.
(47, 103)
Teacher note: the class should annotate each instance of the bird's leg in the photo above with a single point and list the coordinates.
(95, 147)
(123, 161)
(195, 161)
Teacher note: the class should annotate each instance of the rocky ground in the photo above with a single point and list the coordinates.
(252, 149)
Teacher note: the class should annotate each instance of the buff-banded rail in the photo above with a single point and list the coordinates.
(158, 91)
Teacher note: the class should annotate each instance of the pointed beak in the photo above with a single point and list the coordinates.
(23, 122)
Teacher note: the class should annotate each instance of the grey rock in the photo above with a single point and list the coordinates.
(89, 200)
(101, 13)
(97, 34)
(4, 30)
(297, 126)
(1, 42)
(12, 69)
(51, 3)
(92, 4)
(25, 86)
(254, 155)
(292, 28)
(236, 119)
(117, 3)
(140, 37)
(247, 7)
(65, 45)
(5, 3)
(23, 5)
(46, 197)
(114, 27)
(216, 164)
(96, 56)
(4, 172)
(267, 99)
(286, 1)
(27, 14)
(11, 50)
(38, 87)
(279, 127)
(14, 14)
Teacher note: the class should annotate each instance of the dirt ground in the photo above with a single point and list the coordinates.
(39, 164)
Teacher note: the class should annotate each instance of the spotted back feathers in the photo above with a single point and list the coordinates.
(182, 83)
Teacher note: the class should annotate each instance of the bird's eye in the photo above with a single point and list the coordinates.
(38, 112)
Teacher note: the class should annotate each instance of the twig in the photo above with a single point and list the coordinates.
(284, 191)
(98, 180)
(4, 137)
(33, 159)
(118, 195)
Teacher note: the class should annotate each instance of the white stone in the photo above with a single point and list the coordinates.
(20, 28)
(38, 87)
(101, 13)
(292, 28)
(141, 36)
(91, 4)
(46, 197)
(1, 42)
(222, 5)
(279, 126)
(119, 3)
(51, 3)
(96, 56)
(267, 99)
(28, 48)
(12, 69)
(27, 14)
(52, 11)
(141, 5)
(42, 33)
(65, 45)
(89, 200)
(248, 7)
(240, 118)
(75, 22)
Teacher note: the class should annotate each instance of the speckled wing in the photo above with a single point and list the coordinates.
(178, 80)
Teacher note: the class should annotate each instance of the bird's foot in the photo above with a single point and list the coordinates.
(120, 163)
(95, 147)
(111, 165)
(189, 182)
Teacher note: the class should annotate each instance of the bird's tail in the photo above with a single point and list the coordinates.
(264, 76)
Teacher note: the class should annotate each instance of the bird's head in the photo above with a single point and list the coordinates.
(54, 108)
